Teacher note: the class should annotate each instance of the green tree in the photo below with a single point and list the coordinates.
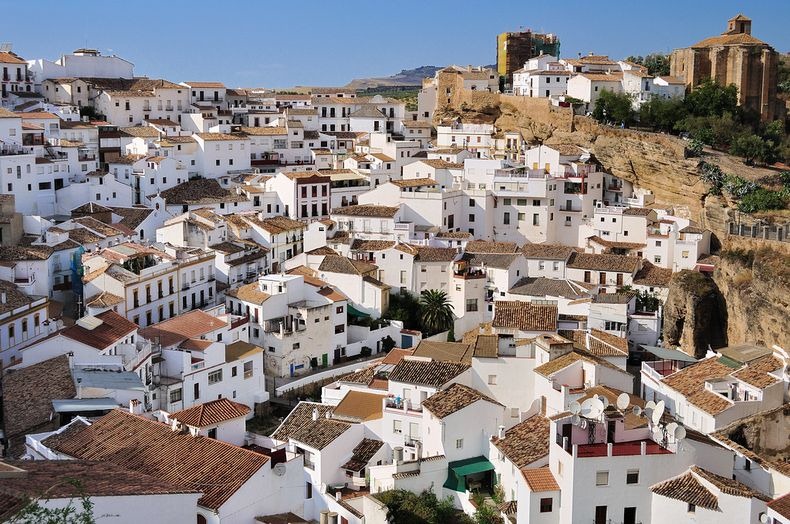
(657, 64)
(405, 507)
(750, 147)
(712, 99)
(486, 514)
(762, 200)
(404, 307)
(661, 114)
(436, 312)
(614, 107)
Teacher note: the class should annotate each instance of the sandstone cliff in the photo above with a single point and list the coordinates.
(695, 314)
(756, 284)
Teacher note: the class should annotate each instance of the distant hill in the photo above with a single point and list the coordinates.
(407, 77)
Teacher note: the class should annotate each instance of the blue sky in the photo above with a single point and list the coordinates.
(323, 42)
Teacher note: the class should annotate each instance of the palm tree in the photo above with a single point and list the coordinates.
(436, 312)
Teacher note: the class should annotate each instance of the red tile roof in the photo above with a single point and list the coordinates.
(177, 329)
(216, 468)
(540, 479)
(113, 329)
(211, 413)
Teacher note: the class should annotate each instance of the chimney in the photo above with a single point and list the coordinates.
(135, 407)
(338, 495)
(501, 432)
(3, 297)
(397, 455)
(315, 414)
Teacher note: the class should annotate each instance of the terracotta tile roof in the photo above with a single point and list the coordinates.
(362, 453)
(360, 376)
(491, 260)
(540, 479)
(323, 250)
(359, 406)
(276, 224)
(615, 245)
(113, 329)
(652, 275)
(455, 398)
(524, 316)
(177, 329)
(438, 163)
(485, 346)
(218, 85)
(728, 485)
(215, 137)
(367, 211)
(415, 182)
(396, 355)
(603, 77)
(756, 372)
(687, 488)
(484, 246)
(211, 413)
(428, 373)
(11, 58)
(199, 192)
(616, 263)
(553, 366)
(526, 442)
(690, 382)
(341, 264)
(140, 131)
(781, 505)
(14, 298)
(551, 287)
(444, 351)
(249, 293)
(736, 39)
(153, 448)
(598, 342)
(103, 300)
(300, 426)
(435, 254)
(28, 393)
(96, 479)
(460, 235)
(369, 245)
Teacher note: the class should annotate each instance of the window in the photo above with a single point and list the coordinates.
(196, 391)
(396, 427)
(691, 508)
(602, 478)
(545, 505)
(471, 304)
(248, 369)
(658, 243)
(632, 476)
(340, 328)
(535, 219)
(215, 377)
(506, 218)
(506, 202)
(176, 395)
(339, 309)
(492, 380)
(747, 464)
(459, 443)
(308, 491)
(657, 259)
(297, 345)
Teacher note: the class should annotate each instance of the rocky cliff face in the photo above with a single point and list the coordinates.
(695, 314)
(756, 284)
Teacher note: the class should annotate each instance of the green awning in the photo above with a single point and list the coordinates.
(669, 354)
(354, 312)
(457, 471)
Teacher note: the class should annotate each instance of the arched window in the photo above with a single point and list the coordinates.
(201, 519)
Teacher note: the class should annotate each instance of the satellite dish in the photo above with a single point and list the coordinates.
(623, 401)
(576, 420)
(587, 408)
(583, 424)
(575, 407)
(648, 411)
(604, 401)
(596, 407)
(763, 518)
(650, 404)
(658, 434)
(671, 428)
(680, 433)
(279, 469)
(656, 416)
(660, 409)
(637, 411)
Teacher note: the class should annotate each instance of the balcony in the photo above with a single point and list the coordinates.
(470, 274)
(402, 405)
(86, 157)
(25, 281)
